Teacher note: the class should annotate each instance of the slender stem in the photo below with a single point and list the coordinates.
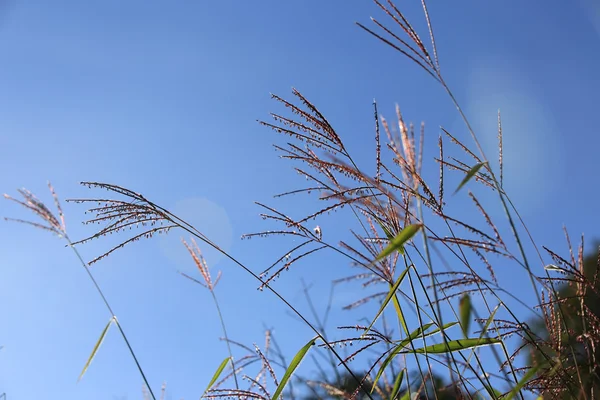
(110, 310)
(497, 186)
(193, 231)
(214, 296)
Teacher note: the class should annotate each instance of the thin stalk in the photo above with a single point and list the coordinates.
(503, 199)
(497, 187)
(193, 231)
(438, 314)
(58, 227)
(110, 310)
(222, 320)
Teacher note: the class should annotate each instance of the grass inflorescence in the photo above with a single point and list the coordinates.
(448, 327)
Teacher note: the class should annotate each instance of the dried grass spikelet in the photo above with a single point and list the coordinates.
(122, 215)
(342, 184)
(413, 47)
(572, 326)
(50, 222)
(202, 266)
(312, 129)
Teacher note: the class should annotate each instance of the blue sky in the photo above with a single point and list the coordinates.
(164, 99)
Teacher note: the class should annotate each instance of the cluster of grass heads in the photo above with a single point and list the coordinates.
(426, 262)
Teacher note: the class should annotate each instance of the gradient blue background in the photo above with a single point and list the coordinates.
(164, 97)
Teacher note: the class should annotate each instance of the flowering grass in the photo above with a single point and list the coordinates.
(425, 262)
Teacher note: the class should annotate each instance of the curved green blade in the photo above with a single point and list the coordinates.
(397, 243)
(527, 377)
(418, 333)
(387, 232)
(489, 321)
(523, 381)
(216, 375)
(470, 175)
(466, 309)
(389, 296)
(292, 367)
(397, 384)
(456, 345)
(96, 347)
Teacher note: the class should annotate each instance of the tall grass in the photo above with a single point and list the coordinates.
(427, 263)
(56, 225)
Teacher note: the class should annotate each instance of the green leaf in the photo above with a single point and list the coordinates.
(527, 377)
(398, 242)
(436, 330)
(522, 382)
(385, 229)
(397, 350)
(389, 296)
(399, 313)
(216, 375)
(397, 384)
(489, 321)
(470, 175)
(494, 394)
(386, 362)
(417, 333)
(406, 396)
(466, 309)
(456, 345)
(292, 367)
(96, 347)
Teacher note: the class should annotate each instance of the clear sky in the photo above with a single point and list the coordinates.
(163, 99)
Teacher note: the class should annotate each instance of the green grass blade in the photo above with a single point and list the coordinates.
(436, 330)
(466, 309)
(494, 394)
(292, 367)
(391, 294)
(396, 350)
(96, 347)
(216, 375)
(400, 240)
(397, 384)
(384, 365)
(489, 321)
(470, 175)
(387, 232)
(522, 382)
(417, 333)
(456, 345)
(527, 377)
(400, 314)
